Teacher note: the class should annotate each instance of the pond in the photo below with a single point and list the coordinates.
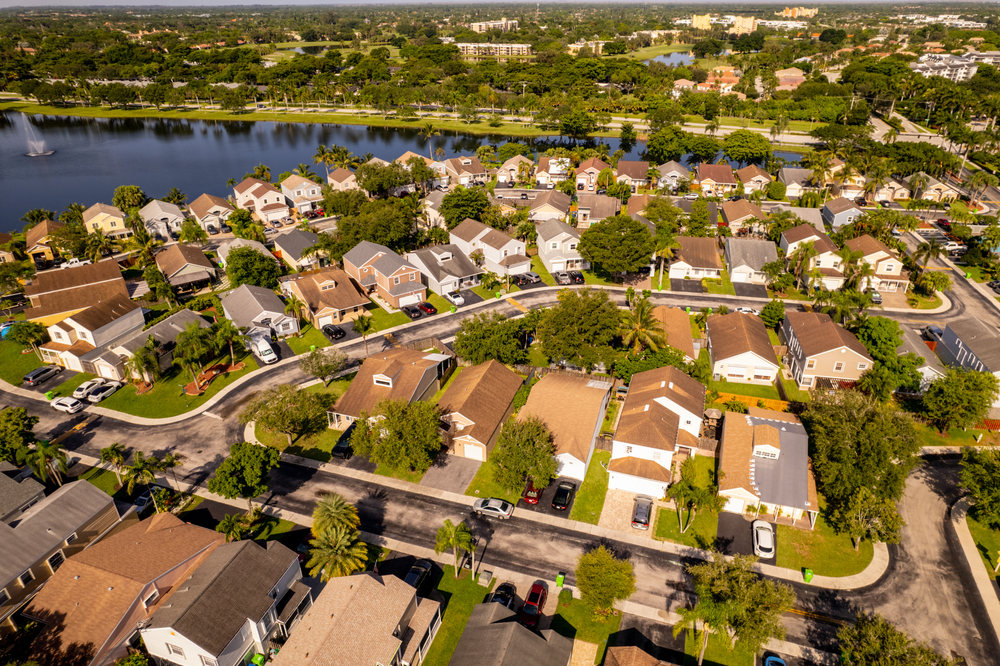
(677, 59)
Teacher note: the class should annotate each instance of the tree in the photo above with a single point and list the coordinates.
(233, 526)
(323, 363)
(115, 456)
(699, 223)
(14, 273)
(620, 191)
(619, 244)
(245, 265)
(36, 216)
(870, 517)
(463, 202)
(882, 338)
(338, 552)
(401, 436)
(576, 125)
(175, 196)
(286, 409)
(746, 147)
(46, 459)
(378, 180)
(670, 143)
(142, 472)
(455, 538)
(631, 364)
(158, 285)
(960, 399)
(579, 329)
(224, 334)
(364, 326)
(490, 335)
(688, 495)
(128, 197)
(193, 344)
(934, 281)
(604, 579)
(191, 232)
(524, 450)
(640, 329)
(773, 313)
(872, 641)
(16, 432)
(776, 190)
(245, 472)
(244, 226)
(334, 511)
(29, 334)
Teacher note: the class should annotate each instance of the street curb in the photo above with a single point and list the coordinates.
(985, 603)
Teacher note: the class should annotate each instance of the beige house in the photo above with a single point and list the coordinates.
(592, 208)
(82, 341)
(38, 240)
(740, 349)
(934, 190)
(739, 214)
(105, 218)
(822, 354)
(342, 180)
(476, 405)
(549, 205)
(754, 178)
(552, 170)
(210, 211)
(381, 271)
(263, 199)
(587, 173)
(716, 179)
(465, 170)
(301, 193)
(892, 190)
(516, 168)
(696, 258)
(330, 297)
(889, 274)
(827, 259)
(634, 173)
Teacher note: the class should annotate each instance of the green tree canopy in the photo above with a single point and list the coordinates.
(873, 641)
(490, 335)
(245, 473)
(961, 398)
(127, 197)
(286, 409)
(16, 432)
(401, 436)
(524, 450)
(604, 579)
(245, 265)
(462, 203)
(618, 244)
(580, 328)
(746, 147)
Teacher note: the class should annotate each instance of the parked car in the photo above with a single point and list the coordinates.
(102, 392)
(563, 496)
(577, 277)
(494, 507)
(876, 297)
(932, 333)
(454, 298)
(531, 611)
(427, 308)
(418, 573)
(86, 388)
(342, 449)
(39, 376)
(531, 493)
(563, 277)
(143, 501)
(505, 594)
(333, 332)
(262, 348)
(953, 246)
(226, 229)
(524, 196)
(68, 405)
(749, 311)
(531, 277)
(691, 196)
(410, 311)
(642, 509)
(212, 231)
(763, 539)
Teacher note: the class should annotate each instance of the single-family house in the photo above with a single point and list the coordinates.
(262, 199)
(716, 179)
(517, 168)
(764, 465)
(741, 213)
(889, 274)
(301, 193)
(823, 354)
(811, 216)
(632, 655)
(634, 173)
(241, 597)
(672, 174)
(683, 84)
(381, 271)
(112, 365)
(342, 180)
(797, 181)
(587, 173)
(746, 258)
(754, 178)
(162, 218)
(364, 620)
(740, 349)
(549, 205)
(840, 212)
(551, 171)
(687, 206)
(930, 367)
(440, 177)
(445, 268)
(661, 416)
(477, 403)
(972, 344)
(557, 247)
(185, 266)
(572, 408)
(38, 241)
(465, 170)
(592, 208)
(330, 297)
(260, 312)
(227, 247)
(893, 190)
(826, 259)
(210, 211)
(394, 374)
(40, 533)
(933, 190)
(107, 219)
(501, 254)
(493, 636)
(94, 604)
(431, 205)
(636, 206)
(77, 341)
(6, 256)
(55, 295)
(291, 247)
(849, 185)
(676, 325)
(695, 258)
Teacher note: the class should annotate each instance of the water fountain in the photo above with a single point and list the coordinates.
(36, 146)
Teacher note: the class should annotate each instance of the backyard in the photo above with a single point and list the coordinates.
(575, 619)
(13, 364)
(767, 392)
(461, 595)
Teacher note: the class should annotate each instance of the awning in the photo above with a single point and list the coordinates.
(291, 601)
(189, 278)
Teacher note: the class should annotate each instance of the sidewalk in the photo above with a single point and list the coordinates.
(973, 562)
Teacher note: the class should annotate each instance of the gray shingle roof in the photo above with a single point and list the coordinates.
(14, 494)
(457, 265)
(294, 242)
(784, 481)
(157, 208)
(790, 175)
(247, 302)
(494, 637)
(552, 228)
(981, 339)
(166, 331)
(753, 253)
(387, 264)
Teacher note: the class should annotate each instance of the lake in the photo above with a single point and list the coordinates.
(677, 59)
(93, 156)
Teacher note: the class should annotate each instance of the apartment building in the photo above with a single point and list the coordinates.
(493, 50)
(503, 25)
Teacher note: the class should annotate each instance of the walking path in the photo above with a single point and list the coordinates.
(973, 563)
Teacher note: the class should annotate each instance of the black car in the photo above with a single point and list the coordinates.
(333, 332)
(226, 229)
(563, 496)
(410, 311)
(418, 573)
(506, 595)
(577, 276)
(212, 231)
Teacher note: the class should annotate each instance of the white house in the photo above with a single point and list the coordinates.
(445, 268)
(740, 349)
(342, 180)
(161, 217)
(552, 171)
(746, 259)
(502, 254)
(301, 193)
(78, 341)
(465, 170)
(516, 168)
(889, 272)
(671, 174)
(557, 247)
(263, 199)
(210, 211)
(827, 257)
(696, 258)
(260, 312)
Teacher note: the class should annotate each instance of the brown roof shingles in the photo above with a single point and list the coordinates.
(677, 327)
(570, 406)
(44, 228)
(646, 422)
(345, 295)
(482, 394)
(407, 368)
(698, 252)
(717, 173)
(817, 333)
(200, 206)
(176, 257)
(737, 333)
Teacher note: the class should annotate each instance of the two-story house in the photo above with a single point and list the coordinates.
(587, 173)
(78, 341)
(465, 170)
(889, 274)
(972, 344)
(672, 174)
(210, 211)
(634, 173)
(107, 219)
(754, 178)
(740, 349)
(840, 212)
(746, 259)
(549, 205)
(676, 325)
(557, 247)
(662, 415)
(263, 199)
(695, 258)
(260, 312)
(162, 218)
(445, 268)
(382, 272)
(342, 180)
(476, 405)
(501, 254)
(186, 266)
(517, 168)
(822, 353)
(55, 295)
(592, 208)
(38, 241)
(301, 193)
(716, 179)
(230, 607)
(797, 181)
(826, 257)
(112, 365)
(892, 190)
(932, 190)
(291, 246)
(552, 170)
(330, 297)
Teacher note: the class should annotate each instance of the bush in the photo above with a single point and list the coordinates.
(521, 397)
(172, 311)
(204, 302)
(738, 406)
(776, 190)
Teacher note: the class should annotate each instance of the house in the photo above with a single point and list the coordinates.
(6, 256)
(465, 170)
(260, 312)
(971, 344)
(552, 171)
(557, 247)
(593, 208)
(107, 219)
(889, 274)
(811, 216)
(716, 179)
(185, 266)
(477, 403)
(502, 254)
(893, 190)
(78, 341)
(263, 199)
(19, 491)
(381, 271)
(934, 190)
(301, 193)
(291, 247)
(210, 211)
(631, 655)
(363, 620)
(572, 408)
(432, 210)
(686, 205)
(342, 180)
(742, 213)
(549, 205)
(241, 597)
(493, 636)
(94, 603)
(55, 295)
(517, 168)
(587, 173)
(35, 544)
(330, 297)
(440, 178)
(850, 185)
(754, 178)
(111, 365)
(746, 259)
(931, 368)
(446, 268)
(827, 258)
(38, 245)
(840, 211)
(672, 174)
(394, 374)
(764, 465)
(661, 416)
(636, 206)
(696, 258)
(676, 325)
(822, 354)
(635, 173)
(229, 246)
(797, 181)
(740, 349)
(162, 218)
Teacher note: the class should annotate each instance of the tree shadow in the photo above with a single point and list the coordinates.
(47, 647)
(618, 549)
(371, 510)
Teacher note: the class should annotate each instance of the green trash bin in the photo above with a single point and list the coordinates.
(808, 575)
(454, 309)
(259, 659)
(560, 579)
(498, 294)
(312, 348)
(49, 395)
(968, 276)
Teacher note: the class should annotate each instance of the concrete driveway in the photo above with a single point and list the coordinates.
(750, 290)
(471, 298)
(686, 286)
(545, 499)
(617, 514)
(451, 473)
(52, 384)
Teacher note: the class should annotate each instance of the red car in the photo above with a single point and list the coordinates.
(427, 308)
(533, 605)
(532, 494)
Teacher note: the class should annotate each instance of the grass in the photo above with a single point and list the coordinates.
(599, 279)
(576, 620)
(315, 446)
(484, 485)
(768, 392)
(929, 436)
(720, 286)
(705, 528)
(402, 475)
(794, 393)
(772, 335)
(538, 267)
(976, 273)
(926, 303)
(653, 51)
(695, 330)
(107, 481)
(439, 302)
(987, 541)
(461, 595)
(271, 528)
(480, 291)
(383, 319)
(308, 337)
(717, 653)
(791, 294)
(14, 365)
(609, 416)
(71, 384)
(537, 358)
(821, 549)
(444, 387)
(590, 499)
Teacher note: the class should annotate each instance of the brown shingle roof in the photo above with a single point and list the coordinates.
(737, 211)
(868, 245)
(177, 256)
(340, 175)
(570, 406)
(677, 326)
(737, 449)
(474, 167)
(73, 289)
(341, 292)
(803, 232)
(737, 333)
(717, 173)
(640, 467)
(407, 368)
(840, 204)
(646, 422)
(255, 184)
(482, 395)
(77, 276)
(468, 229)
(631, 656)
(554, 198)
(748, 173)
(105, 312)
(200, 206)
(638, 203)
(698, 252)
(592, 163)
(40, 231)
(817, 333)
(634, 169)
(101, 209)
(601, 206)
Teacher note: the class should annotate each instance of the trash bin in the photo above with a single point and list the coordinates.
(560, 579)
(49, 395)
(498, 294)
(968, 276)
(312, 348)
(454, 309)
(807, 575)
(259, 659)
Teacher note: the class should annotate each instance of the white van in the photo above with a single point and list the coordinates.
(263, 350)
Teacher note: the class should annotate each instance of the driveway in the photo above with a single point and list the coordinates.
(545, 499)
(617, 514)
(451, 473)
(734, 536)
(282, 349)
(532, 285)
(686, 286)
(750, 290)
(471, 298)
(53, 383)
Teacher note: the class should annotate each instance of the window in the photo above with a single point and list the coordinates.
(383, 382)
(553, 246)
(26, 578)
(396, 280)
(208, 661)
(151, 598)
(862, 366)
(113, 224)
(413, 277)
(810, 364)
(56, 561)
(628, 449)
(572, 246)
(838, 366)
(889, 268)
(173, 649)
(4, 597)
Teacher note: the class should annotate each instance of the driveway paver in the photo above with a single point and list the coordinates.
(617, 514)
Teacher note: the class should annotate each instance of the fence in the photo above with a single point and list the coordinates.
(603, 443)
(750, 401)
(426, 343)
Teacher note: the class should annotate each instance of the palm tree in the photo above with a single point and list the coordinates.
(802, 259)
(98, 245)
(917, 183)
(927, 251)
(46, 460)
(175, 196)
(640, 329)
(454, 537)
(339, 552)
(226, 332)
(324, 156)
(233, 526)
(194, 344)
(171, 462)
(333, 511)
(294, 306)
(115, 455)
(713, 126)
(690, 619)
(427, 131)
(145, 361)
(364, 326)
(262, 172)
(142, 472)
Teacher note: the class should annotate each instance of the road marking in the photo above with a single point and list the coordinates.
(214, 416)
(517, 305)
(817, 616)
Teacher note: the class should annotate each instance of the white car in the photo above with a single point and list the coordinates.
(85, 389)
(264, 351)
(763, 539)
(68, 405)
(952, 246)
(455, 298)
(691, 196)
(103, 391)
(749, 311)
(492, 506)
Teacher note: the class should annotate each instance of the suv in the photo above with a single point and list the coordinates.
(39, 376)
(642, 509)
(418, 574)
(533, 605)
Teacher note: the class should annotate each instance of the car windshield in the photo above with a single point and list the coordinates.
(562, 493)
(531, 492)
(267, 352)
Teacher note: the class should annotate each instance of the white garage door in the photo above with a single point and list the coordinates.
(106, 372)
(473, 452)
(739, 276)
(412, 299)
(323, 321)
(557, 266)
(735, 505)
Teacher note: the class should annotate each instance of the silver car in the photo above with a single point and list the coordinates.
(86, 388)
(763, 539)
(494, 507)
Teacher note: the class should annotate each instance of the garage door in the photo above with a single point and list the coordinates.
(473, 452)
(412, 299)
(735, 505)
(323, 321)
(557, 267)
(739, 276)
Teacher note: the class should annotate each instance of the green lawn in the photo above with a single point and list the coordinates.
(71, 384)
(402, 475)
(791, 295)
(537, 358)
(440, 391)
(987, 541)
(609, 416)
(976, 273)
(106, 480)
(717, 653)
(768, 392)
(315, 446)
(270, 528)
(599, 278)
(772, 335)
(695, 330)
(480, 291)
(308, 337)
(460, 597)
(484, 485)
(590, 499)
(575, 619)
(794, 393)
(703, 531)
(820, 549)
(538, 267)
(336, 387)
(719, 286)
(929, 436)
(14, 365)
(383, 319)
(926, 303)
(653, 51)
